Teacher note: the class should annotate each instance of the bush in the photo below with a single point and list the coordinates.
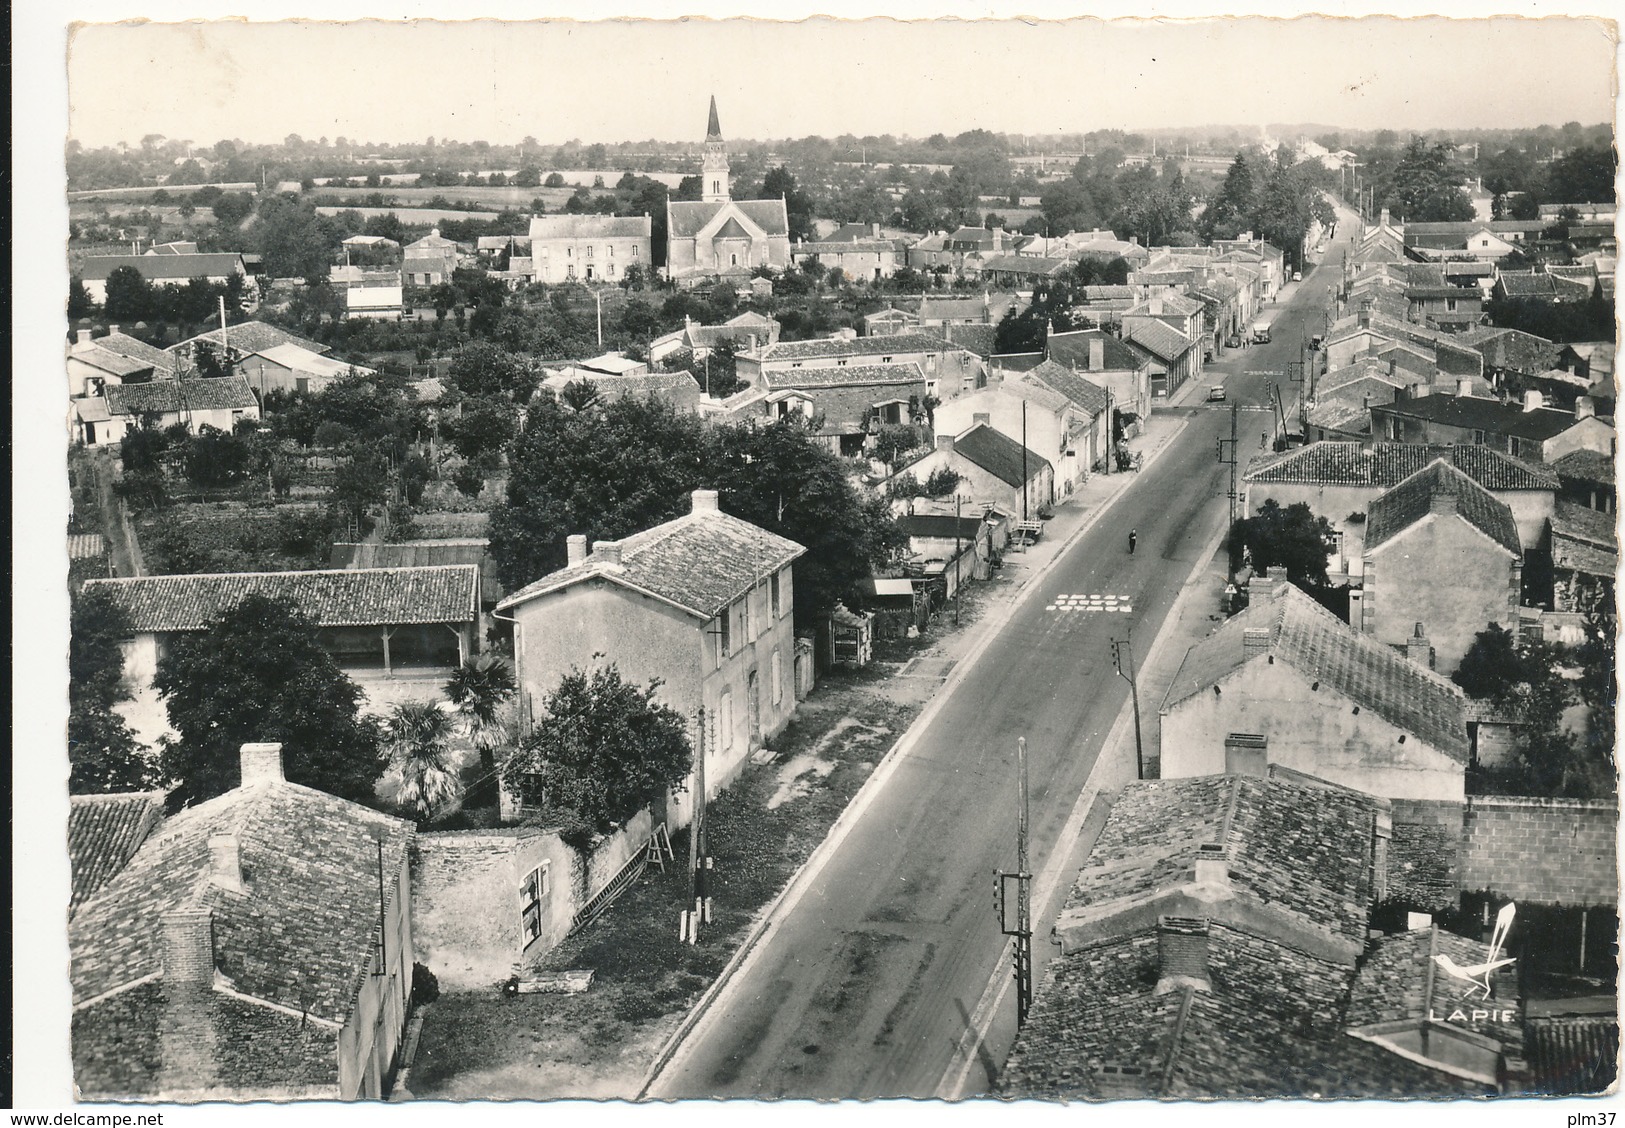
(425, 986)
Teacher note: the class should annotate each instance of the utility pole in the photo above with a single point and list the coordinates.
(598, 296)
(1021, 929)
(1233, 458)
(1024, 461)
(699, 860)
(1125, 670)
(957, 502)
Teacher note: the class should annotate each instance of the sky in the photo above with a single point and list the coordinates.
(635, 80)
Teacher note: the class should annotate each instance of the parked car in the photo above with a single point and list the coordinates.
(1297, 276)
(1215, 393)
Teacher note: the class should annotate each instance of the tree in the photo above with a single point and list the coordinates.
(129, 297)
(103, 755)
(231, 208)
(780, 478)
(554, 180)
(483, 369)
(798, 206)
(215, 458)
(79, 303)
(259, 673)
(603, 748)
(417, 735)
(1425, 185)
(487, 425)
(1292, 538)
(1491, 666)
(480, 689)
(360, 482)
(289, 234)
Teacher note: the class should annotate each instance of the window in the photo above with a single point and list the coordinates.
(840, 364)
(773, 594)
(1517, 447)
(885, 360)
(778, 677)
(725, 723)
(744, 618)
(724, 639)
(569, 252)
(532, 891)
(733, 260)
(609, 270)
(609, 251)
(1478, 437)
(716, 187)
(635, 254)
(589, 251)
(1450, 304)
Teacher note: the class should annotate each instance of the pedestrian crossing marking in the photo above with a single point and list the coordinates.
(1089, 602)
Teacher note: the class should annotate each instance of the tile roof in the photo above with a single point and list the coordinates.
(978, 339)
(1347, 409)
(1161, 340)
(845, 409)
(170, 397)
(108, 361)
(999, 455)
(966, 309)
(688, 217)
(1320, 646)
(1511, 348)
(330, 598)
(126, 345)
(1391, 513)
(1586, 466)
(700, 563)
(104, 832)
(1584, 540)
(1526, 284)
(1025, 264)
(1091, 397)
(251, 337)
(1480, 413)
(1422, 867)
(1072, 349)
(86, 546)
(164, 268)
(1572, 1054)
(837, 375)
(830, 347)
(301, 935)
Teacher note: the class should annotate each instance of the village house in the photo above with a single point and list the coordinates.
(1286, 682)
(949, 370)
(1172, 357)
(989, 309)
(92, 367)
(847, 404)
(1442, 561)
(702, 602)
(104, 832)
(862, 257)
(386, 619)
(1215, 945)
(161, 270)
(429, 261)
(589, 248)
(1435, 300)
(962, 251)
(257, 946)
(1528, 430)
(949, 544)
(679, 390)
(1587, 478)
(993, 469)
(1066, 435)
(1487, 241)
(742, 333)
(1584, 548)
(290, 368)
(375, 303)
(131, 348)
(235, 342)
(100, 420)
(1340, 480)
(718, 236)
(1123, 372)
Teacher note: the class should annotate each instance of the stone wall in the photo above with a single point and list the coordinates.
(1545, 851)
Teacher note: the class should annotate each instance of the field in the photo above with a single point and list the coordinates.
(413, 216)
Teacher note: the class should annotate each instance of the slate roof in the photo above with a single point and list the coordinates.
(331, 598)
(1016, 362)
(251, 337)
(688, 217)
(174, 396)
(1161, 340)
(1404, 505)
(1072, 349)
(732, 229)
(699, 563)
(1480, 413)
(999, 455)
(104, 832)
(138, 350)
(1323, 648)
(1090, 397)
(835, 375)
(828, 348)
(300, 936)
(164, 268)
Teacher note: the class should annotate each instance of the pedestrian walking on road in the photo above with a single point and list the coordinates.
(1133, 539)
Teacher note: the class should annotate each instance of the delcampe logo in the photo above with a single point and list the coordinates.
(1479, 974)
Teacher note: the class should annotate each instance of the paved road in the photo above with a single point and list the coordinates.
(866, 985)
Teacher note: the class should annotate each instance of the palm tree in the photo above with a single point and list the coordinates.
(417, 732)
(479, 688)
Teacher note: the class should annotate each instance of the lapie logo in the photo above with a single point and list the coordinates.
(1478, 975)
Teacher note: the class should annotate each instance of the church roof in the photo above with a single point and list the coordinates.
(713, 131)
(732, 230)
(689, 217)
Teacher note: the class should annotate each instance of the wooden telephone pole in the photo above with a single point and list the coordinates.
(1021, 928)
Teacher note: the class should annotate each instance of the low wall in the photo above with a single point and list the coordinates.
(1545, 851)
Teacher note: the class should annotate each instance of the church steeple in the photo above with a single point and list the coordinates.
(714, 169)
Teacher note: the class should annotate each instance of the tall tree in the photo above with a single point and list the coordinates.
(103, 755)
(259, 673)
(417, 737)
(781, 183)
(288, 233)
(129, 296)
(1291, 537)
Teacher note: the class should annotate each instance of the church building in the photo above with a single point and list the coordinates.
(721, 236)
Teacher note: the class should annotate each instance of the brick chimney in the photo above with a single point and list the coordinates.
(1212, 865)
(1418, 649)
(982, 417)
(704, 501)
(1254, 641)
(945, 443)
(1584, 408)
(1464, 386)
(82, 337)
(874, 230)
(575, 549)
(1182, 954)
(1097, 354)
(1384, 218)
(186, 1029)
(607, 552)
(188, 947)
(1533, 400)
(261, 763)
(226, 862)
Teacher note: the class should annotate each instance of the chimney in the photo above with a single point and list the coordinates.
(1368, 446)
(704, 501)
(945, 443)
(188, 948)
(112, 328)
(82, 336)
(1383, 220)
(1365, 317)
(874, 230)
(1182, 954)
(1418, 649)
(982, 417)
(1421, 390)
(261, 763)
(226, 862)
(1212, 865)
(1442, 500)
(575, 549)
(1255, 640)
(1464, 387)
(607, 552)
(1533, 400)
(1276, 573)
(1097, 354)
(1156, 305)
(1584, 408)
